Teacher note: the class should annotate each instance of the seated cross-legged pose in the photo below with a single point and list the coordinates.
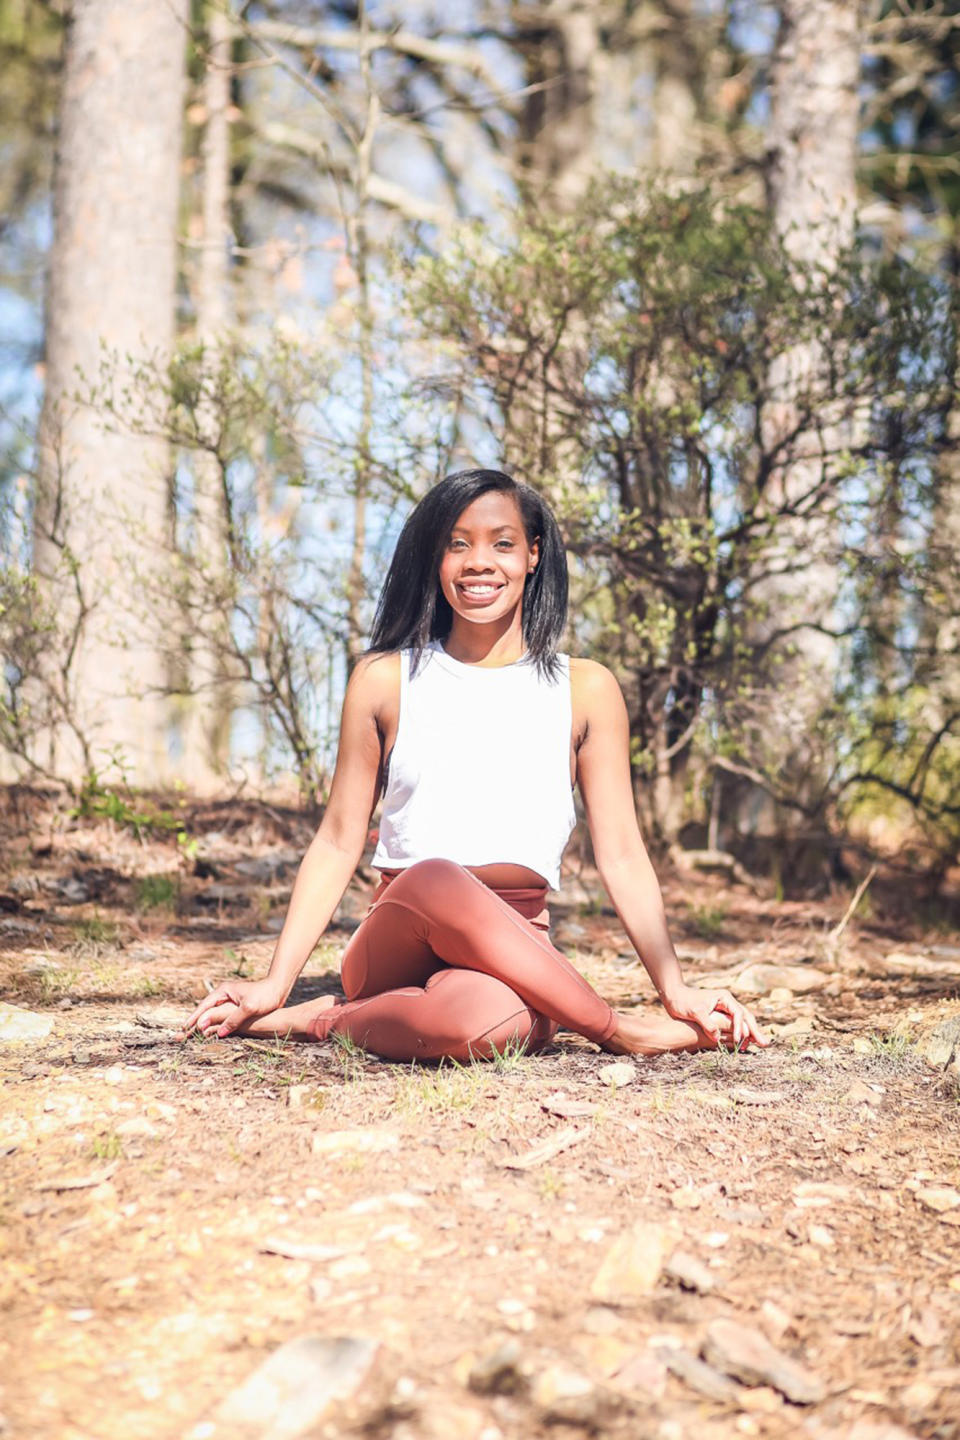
(475, 730)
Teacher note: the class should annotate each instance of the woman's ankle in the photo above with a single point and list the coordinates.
(654, 1035)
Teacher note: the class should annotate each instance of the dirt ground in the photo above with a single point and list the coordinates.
(530, 1244)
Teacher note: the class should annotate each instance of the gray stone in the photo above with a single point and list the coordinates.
(689, 1272)
(620, 1073)
(698, 1376)
(23, 1025)
(221, 894)
(748, 1356)
(566, 1397)
(500, 1372)
(264, 869)
(942, 1043)
(68, 889)
(289, 1393)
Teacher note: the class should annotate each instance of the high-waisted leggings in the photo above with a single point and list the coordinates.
(443, 965)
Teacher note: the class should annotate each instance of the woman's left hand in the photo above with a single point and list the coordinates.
(704, 1008)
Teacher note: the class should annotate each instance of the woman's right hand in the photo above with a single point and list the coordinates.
(232, 1004)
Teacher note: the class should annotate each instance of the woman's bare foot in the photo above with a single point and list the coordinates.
(295, 1022)
(661, 1035)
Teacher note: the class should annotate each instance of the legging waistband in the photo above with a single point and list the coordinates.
(528, 902)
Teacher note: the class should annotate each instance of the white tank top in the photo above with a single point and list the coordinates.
(480, 770)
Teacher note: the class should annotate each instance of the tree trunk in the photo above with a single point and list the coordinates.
(207, 729)
(101, 509)
(812, 194)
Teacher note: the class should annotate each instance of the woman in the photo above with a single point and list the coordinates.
(476, 730)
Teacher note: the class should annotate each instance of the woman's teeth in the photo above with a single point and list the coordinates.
(479, 589)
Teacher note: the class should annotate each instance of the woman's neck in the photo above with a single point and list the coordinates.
(485, 645)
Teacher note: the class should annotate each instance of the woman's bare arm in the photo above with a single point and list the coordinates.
(603, 773)
(329, 862)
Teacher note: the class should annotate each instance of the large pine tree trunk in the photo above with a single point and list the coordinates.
(811, 179)
(101, 510)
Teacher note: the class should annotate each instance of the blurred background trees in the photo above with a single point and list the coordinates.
(271, 270)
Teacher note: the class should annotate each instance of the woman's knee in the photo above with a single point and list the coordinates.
(430, 878)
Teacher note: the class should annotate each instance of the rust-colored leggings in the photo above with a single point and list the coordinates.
(443, 965)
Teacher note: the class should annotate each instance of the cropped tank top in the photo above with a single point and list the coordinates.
(480, 770)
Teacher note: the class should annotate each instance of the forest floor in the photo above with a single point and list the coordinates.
(714, 1245)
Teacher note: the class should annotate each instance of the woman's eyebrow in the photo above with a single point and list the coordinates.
(493, 530)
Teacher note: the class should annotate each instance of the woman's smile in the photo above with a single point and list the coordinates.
(479, 591)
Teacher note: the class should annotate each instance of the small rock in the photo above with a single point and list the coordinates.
(289, 1393)
(264, 869)
(565, 1396)
(450, 1422)
(643, 1374)
(24, 884)
(600, 1320)
(631, 1267)
(781, 995)
(742, 1352)
(943, 1042)
(21, 1025)
(220, 894)
(698, 1376)
(42, 965)
(762, 1401)
(69, 890)
(919, 1396)
(821, 1235)
(689, 1272)
(688, 1197)
(351, 1267)
(938, 1198)
(926, 1329)
(500, 1372)
(761, 979)
(357, 1142)
(745, 1215)
(861, 1094)
(776, 1321)
(747, 1095)
(137, 1127)
(617, 1075)
(902, 963)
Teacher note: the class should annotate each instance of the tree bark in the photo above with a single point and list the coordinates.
(208, 716)
(100, 514)
(812, 193)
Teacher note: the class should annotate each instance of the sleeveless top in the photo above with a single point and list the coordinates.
(480, 770)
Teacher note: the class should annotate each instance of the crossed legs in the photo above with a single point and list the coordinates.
(442, 966)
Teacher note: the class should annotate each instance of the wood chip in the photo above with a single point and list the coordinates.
(547, 1149)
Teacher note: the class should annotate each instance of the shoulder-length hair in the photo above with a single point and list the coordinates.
(412, 609)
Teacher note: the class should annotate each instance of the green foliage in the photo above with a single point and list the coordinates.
(96, 799)
(626, 356)
(157, 892)
(708, 920)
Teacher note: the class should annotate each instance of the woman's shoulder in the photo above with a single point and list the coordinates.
(376, 677)
(590, 678)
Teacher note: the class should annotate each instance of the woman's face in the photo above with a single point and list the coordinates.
(487, 559)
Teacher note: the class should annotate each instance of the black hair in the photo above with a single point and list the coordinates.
(412, 609)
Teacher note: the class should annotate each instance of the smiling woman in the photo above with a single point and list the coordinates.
(474, 728)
